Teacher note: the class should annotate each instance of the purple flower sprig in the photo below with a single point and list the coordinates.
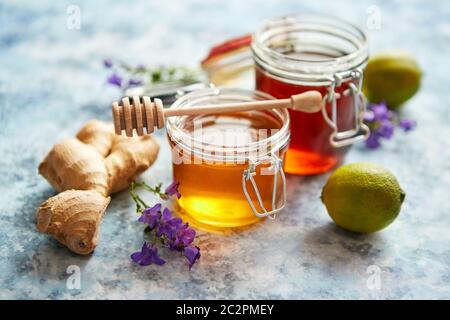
(382, 123)
(124, 76)
(163, 228)
(120, 79)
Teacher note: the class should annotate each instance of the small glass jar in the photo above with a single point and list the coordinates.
(229, 165)
(296, 53)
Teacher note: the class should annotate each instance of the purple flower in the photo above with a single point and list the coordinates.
(134, 83)
(166, 216)
(192, 254)
(185, 235)
(386, 129)
(148, 255)
(164, 228)
(181, 238)
(168, 225)
(407, 125)
(172, 189)
(373, 141)
(369, 116)
(107, 63)
(150, 216)
(391, 115)
(174, 223)
(139, 255)
(380, 111)
(382, 123)
(152, 257)
(178, 235)
(115, 80)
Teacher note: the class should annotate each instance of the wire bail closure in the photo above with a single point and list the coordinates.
(361, 131)
(248, 175)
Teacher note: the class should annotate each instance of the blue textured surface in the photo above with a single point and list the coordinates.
(52, 81)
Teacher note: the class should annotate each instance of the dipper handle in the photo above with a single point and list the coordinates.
(141, 112)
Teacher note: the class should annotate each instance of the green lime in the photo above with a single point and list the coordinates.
(393, 77)
(363, 197)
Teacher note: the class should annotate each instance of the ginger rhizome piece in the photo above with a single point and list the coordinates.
(73, 218)
(86, 170)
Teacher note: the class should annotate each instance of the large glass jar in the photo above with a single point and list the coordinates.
(229, 165)
(296, 53)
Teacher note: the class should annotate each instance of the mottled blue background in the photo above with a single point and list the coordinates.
(52, 81)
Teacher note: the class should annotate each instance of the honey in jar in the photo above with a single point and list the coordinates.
(296, 53)
(229, 165)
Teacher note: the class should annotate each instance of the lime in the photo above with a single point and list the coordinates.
(362, 197)
(392, 77)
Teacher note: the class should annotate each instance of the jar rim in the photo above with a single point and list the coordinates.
(304, 69)
(275, 142)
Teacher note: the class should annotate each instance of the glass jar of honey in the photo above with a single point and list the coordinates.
(296, 53)
(229, 165)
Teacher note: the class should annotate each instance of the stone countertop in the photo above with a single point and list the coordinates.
(52, 81)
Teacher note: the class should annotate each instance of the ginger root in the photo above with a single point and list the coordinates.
(86, 170)
(73, 218)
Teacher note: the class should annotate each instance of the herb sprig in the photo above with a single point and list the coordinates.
(125, 76)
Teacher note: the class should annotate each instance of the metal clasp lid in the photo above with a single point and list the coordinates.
(248, 175)
(360, 132)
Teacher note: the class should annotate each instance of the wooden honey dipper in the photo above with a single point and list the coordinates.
(140, 112)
